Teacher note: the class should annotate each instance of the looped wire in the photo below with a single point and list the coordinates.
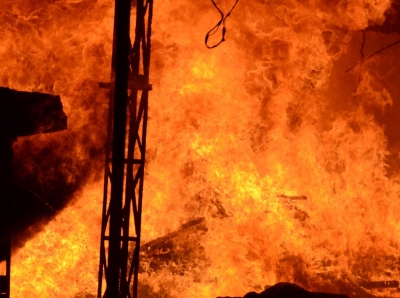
(216, 27)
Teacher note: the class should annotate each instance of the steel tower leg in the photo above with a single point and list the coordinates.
(125, 152)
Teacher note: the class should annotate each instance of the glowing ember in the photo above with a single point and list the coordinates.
(270, 158)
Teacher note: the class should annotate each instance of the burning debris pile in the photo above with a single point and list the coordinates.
(273, 157)
(179, 251)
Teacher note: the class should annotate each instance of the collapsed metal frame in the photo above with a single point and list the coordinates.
(125, 152)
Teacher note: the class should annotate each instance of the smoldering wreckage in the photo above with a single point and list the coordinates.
(279, 167)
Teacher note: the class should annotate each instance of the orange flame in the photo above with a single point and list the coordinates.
(283, 152)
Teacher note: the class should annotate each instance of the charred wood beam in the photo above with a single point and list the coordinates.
(292, 198)
(380, 284)
(158, 244)
(356, 288)
(180, 249)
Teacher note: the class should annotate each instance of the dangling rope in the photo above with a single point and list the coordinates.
(216, 27)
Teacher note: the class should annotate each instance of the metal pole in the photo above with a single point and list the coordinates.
(122, 43)
(125, 152)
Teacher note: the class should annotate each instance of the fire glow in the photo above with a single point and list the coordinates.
(277, 147)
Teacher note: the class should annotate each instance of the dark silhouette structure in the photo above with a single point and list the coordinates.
(125, 151)
(5, 256)
(21, 114)
(289, 290)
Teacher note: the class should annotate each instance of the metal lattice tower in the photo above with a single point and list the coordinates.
(125, 152)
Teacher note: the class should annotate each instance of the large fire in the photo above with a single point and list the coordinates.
(270, 158)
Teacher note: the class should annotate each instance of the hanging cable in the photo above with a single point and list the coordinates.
(216, 27)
